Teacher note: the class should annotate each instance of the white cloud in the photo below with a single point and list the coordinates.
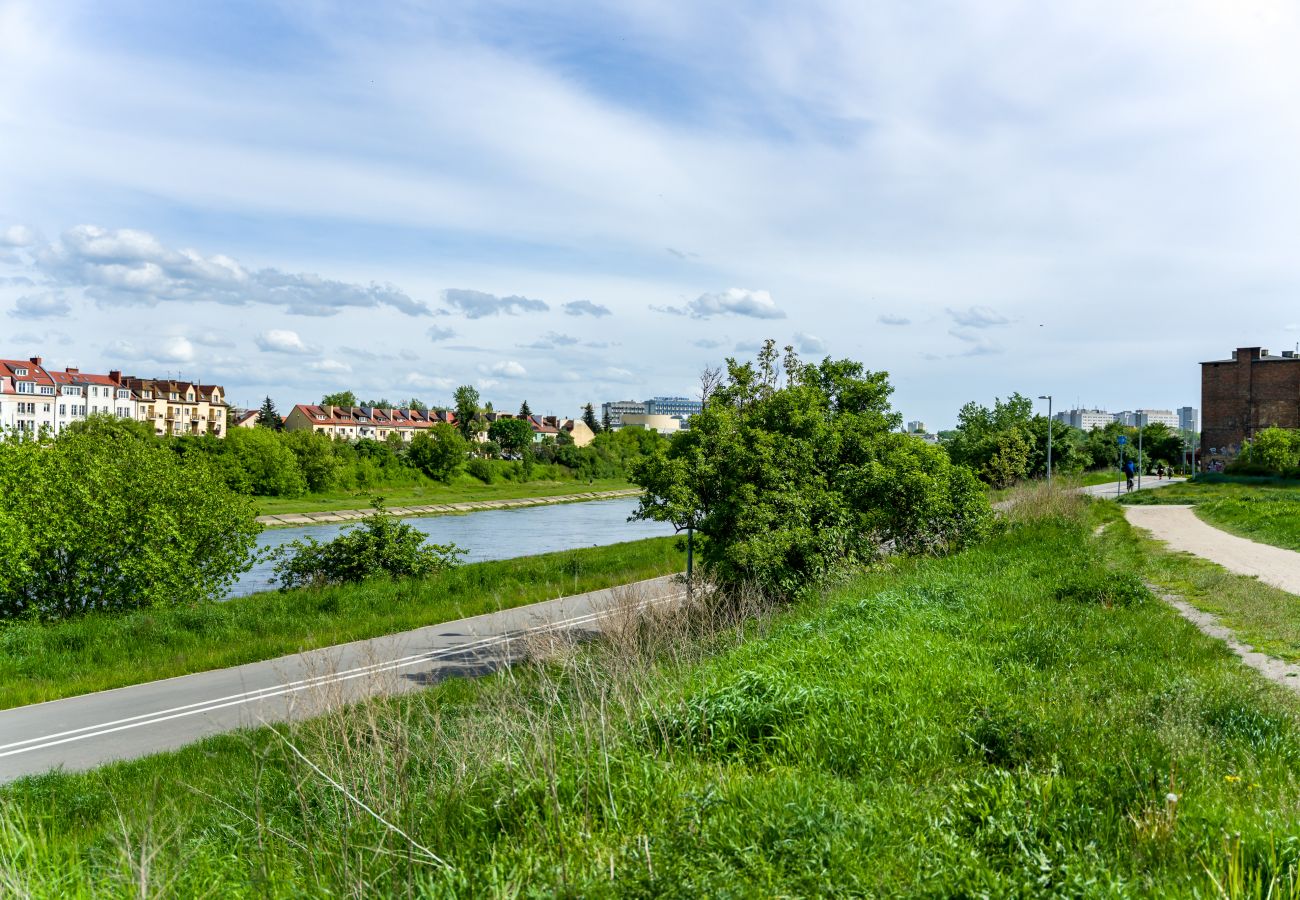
(279, 340)
(978, 317)
(808, 343)
(423, 380)
(585, 308)
(551, 341)
(173, 349)
(733, 301)
(48, 305)
(330, 367)
(17, 236)
(506, 368)
(116, 266)
(889, 319)
(478, 304)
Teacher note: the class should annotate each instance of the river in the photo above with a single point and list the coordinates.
(490, 534)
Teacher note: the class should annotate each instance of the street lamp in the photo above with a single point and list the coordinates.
(1048, 398)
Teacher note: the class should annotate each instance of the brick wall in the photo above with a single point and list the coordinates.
(1243, 395)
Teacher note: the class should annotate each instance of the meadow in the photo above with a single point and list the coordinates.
(1021, 719)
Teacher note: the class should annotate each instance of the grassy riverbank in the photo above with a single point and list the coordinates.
(464, 489)
(44, 661)
(1264, 511)
(1021, 719)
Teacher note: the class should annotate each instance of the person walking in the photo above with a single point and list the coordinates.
(1160, 472)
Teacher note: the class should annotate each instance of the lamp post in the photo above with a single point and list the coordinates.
(1048, 398)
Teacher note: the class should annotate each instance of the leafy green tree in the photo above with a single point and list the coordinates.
(590, 420)
(416, 404)
(1275, 451)
(439, 452)
(101, 519)
(263, 464)
(109, 425)
(316, 457)
(524, 411)
(345, 399)
(380, 546)
(1008, 442)
(788, 484)
(267, 417)
(377, 404)
(466, 403)
(1161, 445)
(511, 435)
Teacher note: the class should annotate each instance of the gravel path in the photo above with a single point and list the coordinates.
(1179, 527)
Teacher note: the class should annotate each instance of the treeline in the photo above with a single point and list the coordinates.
(267, 463)
(1272, 451)
(1008, 443)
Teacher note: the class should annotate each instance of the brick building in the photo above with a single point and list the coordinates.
(1246, 393)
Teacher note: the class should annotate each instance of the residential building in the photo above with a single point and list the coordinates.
(1084, 419)
(578, 430)
(175, 407)
(81, 394)
(661, 424)
(351, 423)
(1189, 419)
(1249, 391)
(1140, 418)
(677, 407)
(27, 396)
(614, 410)
(247, 418)
(916, 426)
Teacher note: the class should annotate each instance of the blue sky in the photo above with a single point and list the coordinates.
(579, 202)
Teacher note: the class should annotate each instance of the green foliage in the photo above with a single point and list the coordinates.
(268, 417)
(524, 410)
(112, 427)
(413, 403)
(439, 452)
(512, 435)
(1272, 451)
(466, 401)
(1008, 443)
(590, 420)
(786, 485)
(317, 460)
(103, 519)
(258, 462)
(482, 469)
(379, 546)
(345, 399)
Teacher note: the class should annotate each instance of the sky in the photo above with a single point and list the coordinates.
(577, 202)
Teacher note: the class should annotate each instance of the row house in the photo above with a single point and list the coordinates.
(544, 428)
(177, 407)
(352, 423)
(35, 398)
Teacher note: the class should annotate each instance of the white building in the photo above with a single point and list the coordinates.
(1085, 419)
(613, 411)
(1140, 418)
(81, 394)
(27, 396)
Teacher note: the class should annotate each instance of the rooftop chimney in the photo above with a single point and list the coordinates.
(115, 376)
(72, 370)
(35, 360)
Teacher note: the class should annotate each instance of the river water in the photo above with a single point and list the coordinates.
(490, 534)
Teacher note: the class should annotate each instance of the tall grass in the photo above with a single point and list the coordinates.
(1018, 720)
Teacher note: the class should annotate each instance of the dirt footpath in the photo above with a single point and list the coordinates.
(1178, 527)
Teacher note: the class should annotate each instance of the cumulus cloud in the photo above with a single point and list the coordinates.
(279, 340)
(478, 304)
(116, 266)
(437, 333)
(733, 302)
(551, 341)
(331, 367)
(48, 305)
(17, 236)
(585, 308)
(174, 349)
(978, 317)
(808, 343)
(889, 319)
(507, 368)
(422, 380)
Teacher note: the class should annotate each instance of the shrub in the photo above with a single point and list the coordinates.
(439, 453)
(1096, 585)
(379, 545)
(482, 469)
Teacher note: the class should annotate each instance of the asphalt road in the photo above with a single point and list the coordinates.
(1116, 488)
(125, 723)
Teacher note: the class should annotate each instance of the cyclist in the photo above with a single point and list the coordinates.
(1130, 468)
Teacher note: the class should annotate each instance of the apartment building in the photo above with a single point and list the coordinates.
(1085, 419)
(28, 396)
(176, 408)
(353, 423)
(1141, 418)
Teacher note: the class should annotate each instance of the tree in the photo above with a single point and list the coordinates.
(317, 460)
(267, 417)
(439, 453)
(377, 404)
(1273, 451)
(604, 420)
(466, 403)
(416, 404)
(512, 435)
(260, 463)
(589, 419)
(109, 425)
(786, 485)
(101, 519)
(524, 411)
(345, 399)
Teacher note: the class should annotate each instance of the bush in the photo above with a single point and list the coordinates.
(1102, 587)
(439, 453)
(482, 469)
(105, 519)
(379, 545)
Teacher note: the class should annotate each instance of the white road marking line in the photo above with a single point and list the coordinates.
(159, 716)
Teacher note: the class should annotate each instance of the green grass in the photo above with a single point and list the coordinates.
(1071, 480)
(1262, 510)
(465, 489)
(45, 661)
(1019, 720)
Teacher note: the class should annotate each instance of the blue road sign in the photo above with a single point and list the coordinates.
(1123, 439)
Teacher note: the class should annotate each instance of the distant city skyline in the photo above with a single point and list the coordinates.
(572, 203)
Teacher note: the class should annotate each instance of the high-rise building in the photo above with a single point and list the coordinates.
(1140, 418)
(612, 411)
(677, 407)
(914, 426)
(1189, 418)
(1085, 419)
